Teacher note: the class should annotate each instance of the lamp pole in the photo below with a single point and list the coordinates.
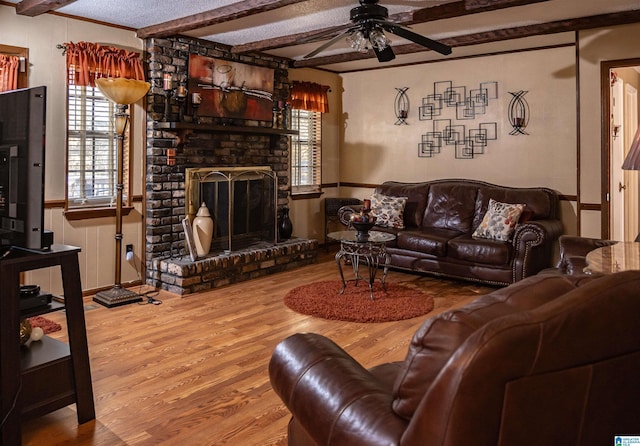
(123, 92)
(122, 119)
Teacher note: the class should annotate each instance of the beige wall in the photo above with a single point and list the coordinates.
(375, 150)
(47, 67)
(595, 47)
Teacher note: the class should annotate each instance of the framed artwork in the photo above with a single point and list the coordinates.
(231, 89)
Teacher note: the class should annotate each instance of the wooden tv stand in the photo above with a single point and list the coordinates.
(50, 374)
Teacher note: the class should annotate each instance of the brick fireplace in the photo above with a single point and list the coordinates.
(213, 142)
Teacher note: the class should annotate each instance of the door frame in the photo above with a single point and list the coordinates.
(605, 138)
(616, 153)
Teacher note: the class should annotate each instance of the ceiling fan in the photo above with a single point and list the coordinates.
(369, 23)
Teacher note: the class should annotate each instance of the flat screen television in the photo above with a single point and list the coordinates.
(22, 154)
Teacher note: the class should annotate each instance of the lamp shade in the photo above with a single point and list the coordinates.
(121, 90)
(632, 161)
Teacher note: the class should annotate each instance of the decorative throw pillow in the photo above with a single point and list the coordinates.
(388, 210)
(500, 221)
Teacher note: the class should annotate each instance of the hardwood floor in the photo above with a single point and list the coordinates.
(193, 370)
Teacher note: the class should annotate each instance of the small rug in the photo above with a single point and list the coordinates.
(322, 299)
(47, 325)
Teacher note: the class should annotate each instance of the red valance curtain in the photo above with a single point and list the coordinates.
(309, 96)
(9, 72)
(88, 61)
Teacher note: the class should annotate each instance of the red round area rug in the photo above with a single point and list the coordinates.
(322, 299)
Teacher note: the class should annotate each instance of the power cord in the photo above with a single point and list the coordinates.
(13, 405)
(148, 296)
(6, 253)
(150, 299)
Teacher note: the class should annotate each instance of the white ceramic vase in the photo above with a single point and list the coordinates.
(202, 231)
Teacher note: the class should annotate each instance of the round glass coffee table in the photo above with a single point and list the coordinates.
(370, 250)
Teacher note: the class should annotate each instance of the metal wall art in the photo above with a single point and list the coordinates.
(468, 105)
(466, 142)
(401, 106)
(518, 112)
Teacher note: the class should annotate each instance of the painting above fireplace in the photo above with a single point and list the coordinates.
(231, 89)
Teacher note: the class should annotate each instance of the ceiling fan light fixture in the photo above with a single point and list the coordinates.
(368, 32)
(378, 39)
(358, 41)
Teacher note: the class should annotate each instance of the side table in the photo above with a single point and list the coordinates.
(50, 374)
(372, 251)
(622, 256)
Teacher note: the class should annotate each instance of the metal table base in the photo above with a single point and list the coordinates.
(371, 251)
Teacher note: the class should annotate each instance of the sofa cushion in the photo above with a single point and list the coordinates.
(538, 201)
(439, 337)
(416, 194)
(499, 221)
(450, 206)
(388, 210)
(484, 251)
(433, 241)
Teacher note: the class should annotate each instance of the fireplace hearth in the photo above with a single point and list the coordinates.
(180, 275)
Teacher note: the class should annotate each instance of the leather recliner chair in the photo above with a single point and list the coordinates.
(574, 250)
(550, 360)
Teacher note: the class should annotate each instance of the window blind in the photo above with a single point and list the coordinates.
(91, 149)
(306, 151)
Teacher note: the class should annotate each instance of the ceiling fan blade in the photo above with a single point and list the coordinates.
(324, 33)
(385, 55)
(417, 38)
(328, 43)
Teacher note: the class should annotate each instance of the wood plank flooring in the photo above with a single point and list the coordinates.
(193, 370)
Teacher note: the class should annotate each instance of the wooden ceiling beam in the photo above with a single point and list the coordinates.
(445, 11)
(488, 4)
(583, 23)
(317, 35)
(33, 8)
(214, 16)
(465, 7)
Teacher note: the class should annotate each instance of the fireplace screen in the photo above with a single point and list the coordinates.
(242, 203)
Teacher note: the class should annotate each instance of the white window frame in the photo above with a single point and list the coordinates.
(92, 150)
(306, 152)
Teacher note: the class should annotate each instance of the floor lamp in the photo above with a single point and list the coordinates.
(632, 161)
(122, 92)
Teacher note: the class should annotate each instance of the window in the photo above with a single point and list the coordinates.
(23, 54)
(306, 150)
(91, 149)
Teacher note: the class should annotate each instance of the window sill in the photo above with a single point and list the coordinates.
(85, 214)
(306, 195)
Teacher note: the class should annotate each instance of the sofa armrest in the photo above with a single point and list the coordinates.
(331, 395)
(532, 247)
(345, 213)
(574, 250)
(538, 231)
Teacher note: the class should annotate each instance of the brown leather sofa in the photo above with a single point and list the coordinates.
(550, 360)
(440, 217)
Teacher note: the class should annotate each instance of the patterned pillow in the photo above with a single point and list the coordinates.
(388, 210)
(500, 221)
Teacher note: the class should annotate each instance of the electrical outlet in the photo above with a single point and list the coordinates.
(129, 248)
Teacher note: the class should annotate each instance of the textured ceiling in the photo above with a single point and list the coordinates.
(307, 16)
